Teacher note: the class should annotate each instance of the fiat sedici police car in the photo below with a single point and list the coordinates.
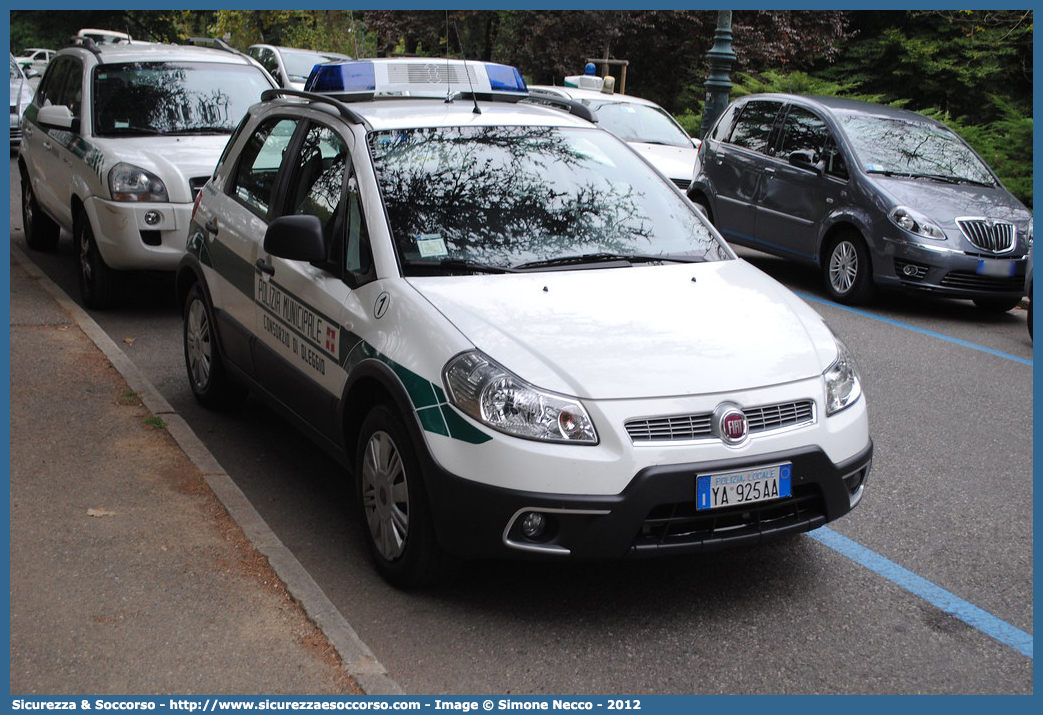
(517, 335)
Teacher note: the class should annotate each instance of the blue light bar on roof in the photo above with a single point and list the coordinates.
(342, 78)
(504, 78)
(414, 77)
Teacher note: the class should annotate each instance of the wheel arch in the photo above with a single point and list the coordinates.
(370, 383)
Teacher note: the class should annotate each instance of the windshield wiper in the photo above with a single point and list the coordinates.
(197, 130)
(605, 257)
(451, 264)
(945, 178)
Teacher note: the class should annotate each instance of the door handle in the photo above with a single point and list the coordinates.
(265, 267)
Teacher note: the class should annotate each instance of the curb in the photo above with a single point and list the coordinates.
(359, 661)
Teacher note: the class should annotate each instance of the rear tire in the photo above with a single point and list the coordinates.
(393, 504)
(207, 377)
(41, 232)
(97, 280)
(847, 270)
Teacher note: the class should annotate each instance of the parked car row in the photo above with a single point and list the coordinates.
(500, 315)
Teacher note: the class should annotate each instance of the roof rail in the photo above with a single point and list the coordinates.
(215, 43)
(343, 109)
(569, 105)
(85, 42)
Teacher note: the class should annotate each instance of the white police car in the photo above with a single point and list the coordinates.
(514, 332)
(115, 143)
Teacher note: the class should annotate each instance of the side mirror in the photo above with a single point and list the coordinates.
(296, 238)
(59, 117)
(30, 73)
(805, 160)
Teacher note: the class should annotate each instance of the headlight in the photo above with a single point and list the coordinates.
(500, 399)
(915, 223)
(843, 385)
(131, 183)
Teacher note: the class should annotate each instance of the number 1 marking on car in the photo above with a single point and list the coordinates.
(380, 307)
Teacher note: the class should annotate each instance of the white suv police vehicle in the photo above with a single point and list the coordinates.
(519, 337)
(115, 143)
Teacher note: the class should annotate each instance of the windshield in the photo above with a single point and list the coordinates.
(507, 196)
(147, 98)
(639, 123)
(299, 64)
(886, 145)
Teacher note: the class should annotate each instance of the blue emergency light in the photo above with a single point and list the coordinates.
(414, 77)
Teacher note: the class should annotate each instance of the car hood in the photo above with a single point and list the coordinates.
(674, 162)
(943, 203)
(175, 160)
(646, 331)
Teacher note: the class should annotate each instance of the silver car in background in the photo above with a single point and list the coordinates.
(872, 195)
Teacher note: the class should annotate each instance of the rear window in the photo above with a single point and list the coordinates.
(157, 98)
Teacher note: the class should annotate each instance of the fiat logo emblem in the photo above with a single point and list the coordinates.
(732, 426)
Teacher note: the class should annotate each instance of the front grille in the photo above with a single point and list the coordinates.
(972, 281)
(992, 236)
(681, 524)
(680, 428)
(196, 184)
(682, 184)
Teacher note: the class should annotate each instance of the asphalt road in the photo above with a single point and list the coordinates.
(949, 502)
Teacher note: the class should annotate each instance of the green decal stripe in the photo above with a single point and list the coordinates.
(431, 420)
(197, 247)
(232, 267)
(461, 429)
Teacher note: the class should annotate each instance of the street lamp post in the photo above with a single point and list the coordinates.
(718, 84)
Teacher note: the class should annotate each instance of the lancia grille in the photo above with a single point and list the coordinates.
(681, 428)
(991, 236)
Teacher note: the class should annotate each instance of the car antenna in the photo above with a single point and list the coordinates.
(463, 54)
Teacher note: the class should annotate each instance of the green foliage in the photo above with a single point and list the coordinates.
(795, 83)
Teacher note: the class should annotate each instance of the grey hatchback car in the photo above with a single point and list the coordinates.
(872, 195)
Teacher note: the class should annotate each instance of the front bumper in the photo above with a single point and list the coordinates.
(949, 273)
(654, 515)
(139, 236)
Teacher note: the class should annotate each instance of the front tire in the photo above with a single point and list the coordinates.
(395, 512)
(207, 377)
(847, 270)
(41, 232)
(997, 305)
(97, 280)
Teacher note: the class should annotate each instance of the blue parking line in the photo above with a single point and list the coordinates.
(923, 331)
(970, 614)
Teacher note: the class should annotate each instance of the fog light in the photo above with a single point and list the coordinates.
(153, 217)
(533, 525)
(909, 270)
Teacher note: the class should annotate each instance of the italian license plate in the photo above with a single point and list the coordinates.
(995, 269)
(747, 486)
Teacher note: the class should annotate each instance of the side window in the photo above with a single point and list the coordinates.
(805, 132)
(62, 85)
(269, 62)
(254, 180)
(753, 130)
(317, 183)
(723, 127)
(834, 160)
(358, 254)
